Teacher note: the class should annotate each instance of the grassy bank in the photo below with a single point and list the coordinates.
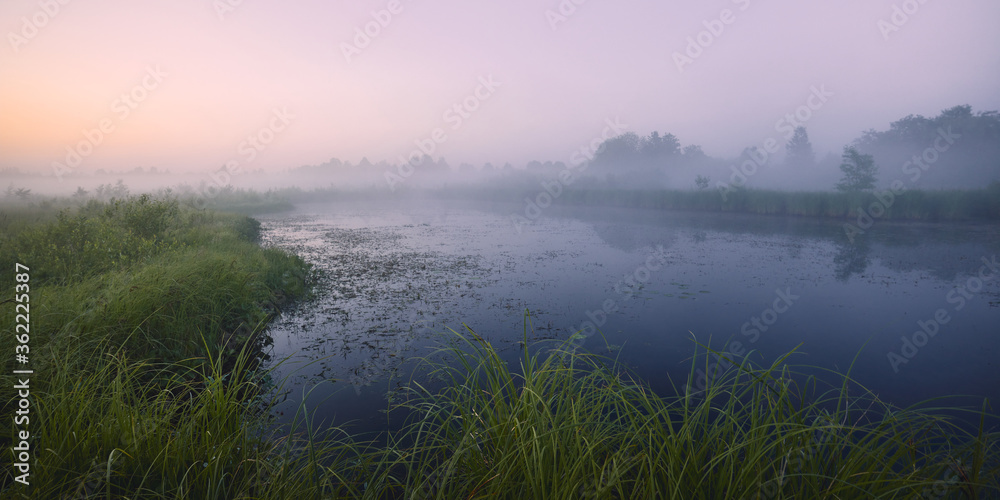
(144, 323)
(144, 347)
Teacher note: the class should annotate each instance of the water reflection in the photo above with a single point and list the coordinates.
(393, 277)
(851, 258)
(938, 248)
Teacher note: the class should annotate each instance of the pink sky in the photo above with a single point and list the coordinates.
(206, 82)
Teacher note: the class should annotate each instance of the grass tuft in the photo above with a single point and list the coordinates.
(566, 424)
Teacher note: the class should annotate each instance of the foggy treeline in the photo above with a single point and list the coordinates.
(957, 149)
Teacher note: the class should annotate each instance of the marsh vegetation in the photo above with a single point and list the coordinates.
(148, 325)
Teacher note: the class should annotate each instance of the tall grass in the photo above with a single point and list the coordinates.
(565, 424)
(147, 385)
(151, 274)
(113, 433)
(558, 424)
(146, 322)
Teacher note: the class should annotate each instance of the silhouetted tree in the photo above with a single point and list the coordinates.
(957, 148)
(657, 148)
(693, 152)
(442, 164)
(859, 171)
(648, 156)
(800, 150)
(619, 151)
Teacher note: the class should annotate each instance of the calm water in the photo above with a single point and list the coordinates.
(393, 276)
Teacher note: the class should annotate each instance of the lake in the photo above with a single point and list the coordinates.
(918, 304)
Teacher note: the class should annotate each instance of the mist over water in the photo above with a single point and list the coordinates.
(642, 286)
(638, 180)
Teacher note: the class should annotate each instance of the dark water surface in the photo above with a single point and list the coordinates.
(393, 276)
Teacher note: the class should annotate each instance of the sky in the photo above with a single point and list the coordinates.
(191, 85)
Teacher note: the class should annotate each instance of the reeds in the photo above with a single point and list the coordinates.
(147, 385)
(566, 424)
(145, 335)
(915, 205)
